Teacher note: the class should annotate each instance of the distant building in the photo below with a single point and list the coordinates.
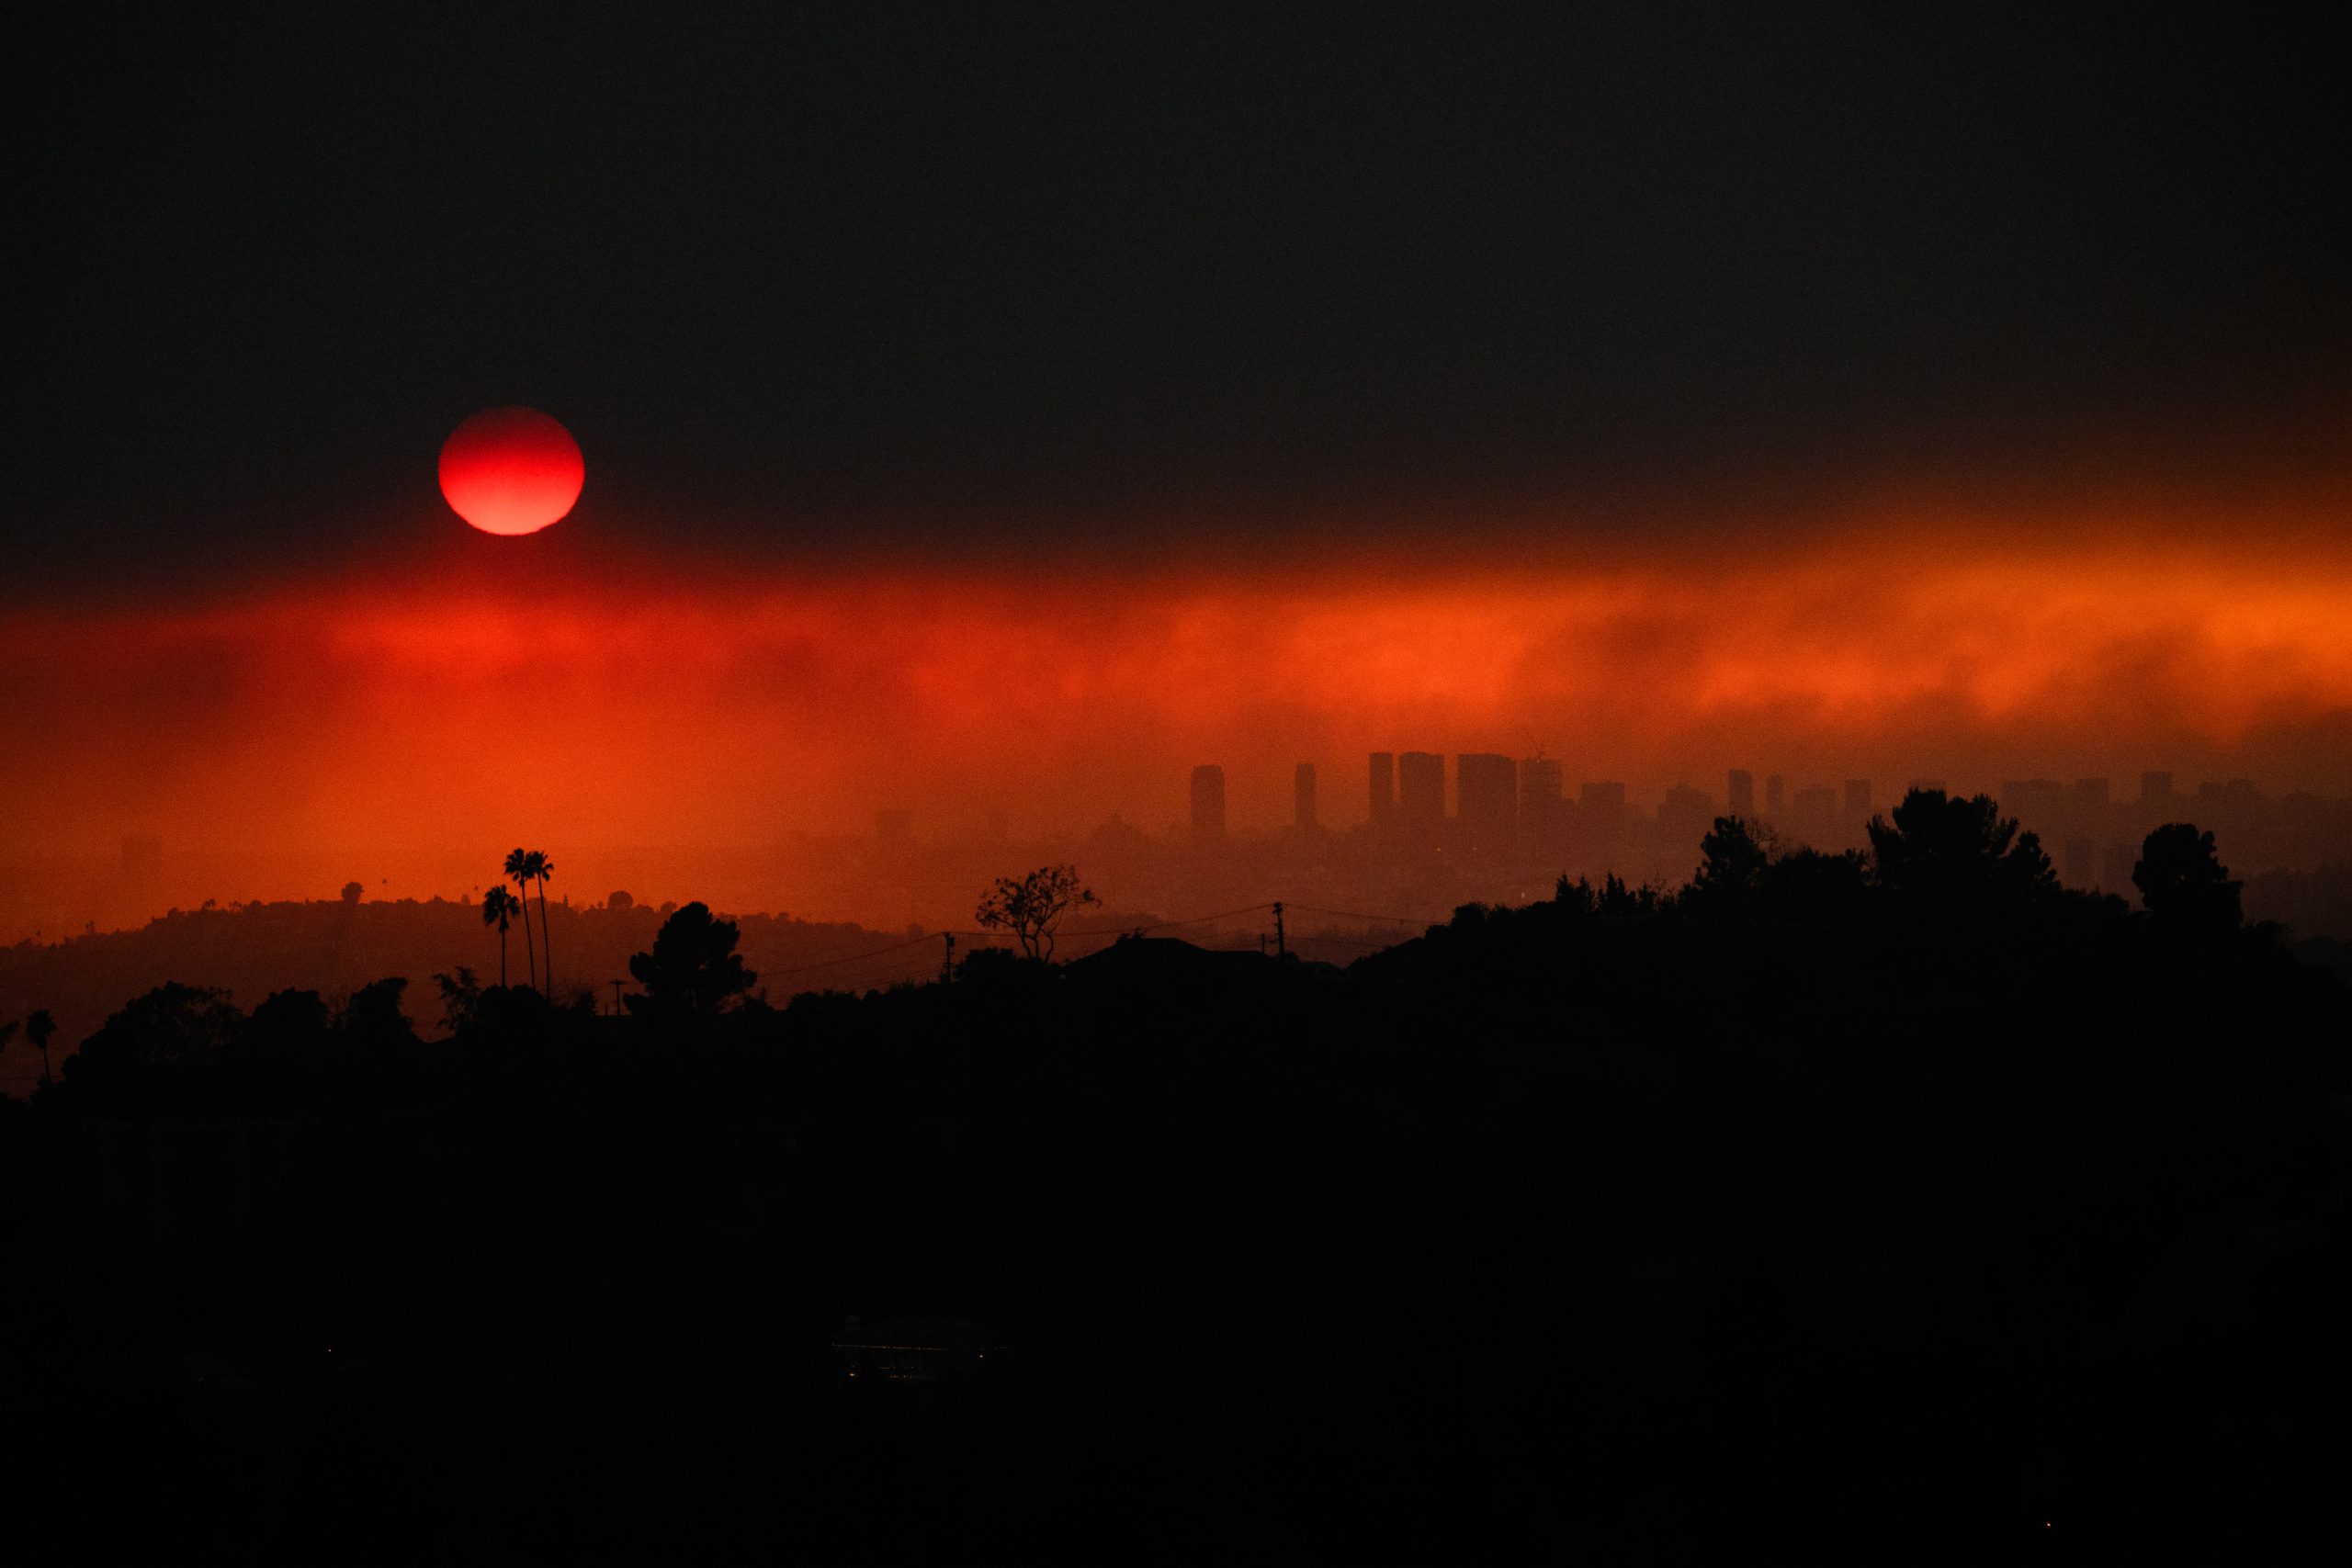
(2035, 801)
(1301, 794)
(2116, 871)
(1421, 793)
(1857, 797)
(1486, 788)
(910, 1354)
(2082, 862)
(1602, 808)
(1816, 808)
(1685, 813)
(1740, 797)
(2155, 791)
(1540, 798)
(1773, 801)
(1384, 791)
(1208, 803)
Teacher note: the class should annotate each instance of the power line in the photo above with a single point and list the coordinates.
(1360, 914)
(852, 957)
(1164, 925)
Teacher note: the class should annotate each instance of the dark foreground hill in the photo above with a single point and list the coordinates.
(1882, 1230)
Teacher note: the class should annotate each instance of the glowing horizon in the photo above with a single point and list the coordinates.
(694, 706)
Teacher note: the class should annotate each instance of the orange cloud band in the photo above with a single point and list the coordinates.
(677, 712)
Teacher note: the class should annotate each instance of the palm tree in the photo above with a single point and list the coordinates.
(39, 1027)
(498, 907)
(517, 874)
(538, 868)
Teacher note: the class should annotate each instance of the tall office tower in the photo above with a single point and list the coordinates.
(2038, 804)
(1421, 795)
(1486, 785)
(1816, 807)
(1384, 791)
(1740, 800)
(1208, 803)
(1773, 800)
(1301, 793)
(1857, 797)
(1539, 790)
(1684, 815)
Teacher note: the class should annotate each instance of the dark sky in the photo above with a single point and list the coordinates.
(905, 273)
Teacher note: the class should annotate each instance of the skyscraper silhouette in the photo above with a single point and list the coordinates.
(1740, 795)
(1208, 803)
(1486, 786)
(1421, 795)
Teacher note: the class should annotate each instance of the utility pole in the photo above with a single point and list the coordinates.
(947, 964)
(1281, 950)
(617, 998)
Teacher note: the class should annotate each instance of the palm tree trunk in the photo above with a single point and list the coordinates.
(546, 943)
(528, 954)
(501, 955)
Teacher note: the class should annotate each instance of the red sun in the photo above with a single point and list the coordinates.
(511, 470)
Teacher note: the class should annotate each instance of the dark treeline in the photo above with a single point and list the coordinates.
(1881, 1202)
(334, 946)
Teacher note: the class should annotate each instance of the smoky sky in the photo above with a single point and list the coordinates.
(920, 274)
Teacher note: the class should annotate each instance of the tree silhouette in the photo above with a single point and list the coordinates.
(352, 892)
(518, 873)
(498, 907)
(2180, 877)
(39, 1027)
(374, 1014)
(693, 970)
(1958, 855)
(460, 998)
(1816, 886)
(1032, 906)
(171, 1024)
(538, 868)
(1734, 859)
(290, 1015)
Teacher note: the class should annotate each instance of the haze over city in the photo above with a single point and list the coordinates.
(1177, 783)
